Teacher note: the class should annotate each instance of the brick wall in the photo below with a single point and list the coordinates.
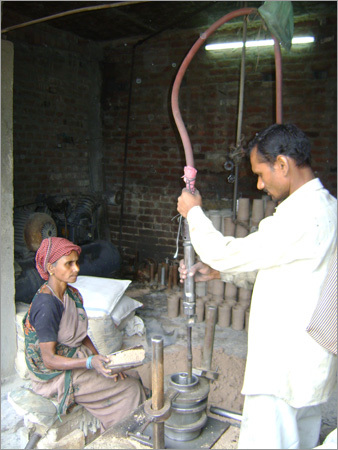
(53, 82)
(55, 74)
(208, 104)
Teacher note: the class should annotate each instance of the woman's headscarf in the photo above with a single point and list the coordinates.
(51, 249)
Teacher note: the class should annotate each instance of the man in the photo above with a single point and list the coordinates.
(288, 374)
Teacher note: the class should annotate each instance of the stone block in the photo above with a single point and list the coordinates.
(73, 440)
(34, 408)
(79, 418)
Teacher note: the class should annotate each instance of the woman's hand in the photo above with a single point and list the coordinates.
(201, 271)
(98, 364)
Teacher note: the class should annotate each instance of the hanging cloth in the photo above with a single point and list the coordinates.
(278, 17)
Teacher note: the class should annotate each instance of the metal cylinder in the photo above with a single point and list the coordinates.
(152, 271)
(188, 409)
(162, 275)
(210, 323)
(157, 389)
(189, 282)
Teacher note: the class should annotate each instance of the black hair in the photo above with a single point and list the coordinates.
(287, 140)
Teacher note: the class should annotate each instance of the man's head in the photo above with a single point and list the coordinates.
(280, 157)
(287, 140)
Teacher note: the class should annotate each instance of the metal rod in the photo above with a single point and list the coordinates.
(222, 412)
(239, 118)
(158, 389)
(210, 323)
(189, 304)
(34, 439)
(189, 282)
(235, 194)
(189, 354)
(68, 13)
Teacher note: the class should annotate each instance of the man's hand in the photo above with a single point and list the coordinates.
(201, 271)
(187, 200)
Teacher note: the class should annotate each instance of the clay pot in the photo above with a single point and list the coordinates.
(181, 307)
(210, 287)
(243, 209)
(244, 295)
(247, 315)
(207, 304)
(269, 208)
(230, 291)
(199, 310)
(228, 227)
(173, 305)
(245, 304)
(257, 213)
(201, 289)
(242, 231)
(224, 315)
(237, 318)
(175, 274)
(216, 219)
(218, 288)
(217, 299)
(231, 302)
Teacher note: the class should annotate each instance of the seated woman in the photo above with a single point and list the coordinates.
(63, 363)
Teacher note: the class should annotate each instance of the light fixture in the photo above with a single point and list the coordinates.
(261, 43)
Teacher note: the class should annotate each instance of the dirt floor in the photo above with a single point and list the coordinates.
(229, 349)
(229, 355)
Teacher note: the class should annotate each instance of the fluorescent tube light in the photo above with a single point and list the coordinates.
(262, 43)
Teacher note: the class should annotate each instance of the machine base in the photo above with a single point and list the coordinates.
(210, 433)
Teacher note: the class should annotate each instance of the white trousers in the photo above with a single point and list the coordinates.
(270, 423)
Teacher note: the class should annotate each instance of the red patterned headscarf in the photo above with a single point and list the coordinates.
(51, 249)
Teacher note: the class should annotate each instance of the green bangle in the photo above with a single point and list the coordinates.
(89, 362)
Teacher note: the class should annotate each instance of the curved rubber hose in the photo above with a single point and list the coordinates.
(176, 86)
(278, 70)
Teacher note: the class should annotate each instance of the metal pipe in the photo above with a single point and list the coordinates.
(34, 439)
(222, 412)
(189, 353)
(210, 324)
(189, 304)
(157, 389)
(68, 13)
(239, 118)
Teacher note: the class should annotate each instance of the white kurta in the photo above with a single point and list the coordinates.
(291, 252)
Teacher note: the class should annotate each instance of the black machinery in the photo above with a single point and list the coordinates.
(58, 216)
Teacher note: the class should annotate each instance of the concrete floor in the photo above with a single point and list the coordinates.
(234, 343)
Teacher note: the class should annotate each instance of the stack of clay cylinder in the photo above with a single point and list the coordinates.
(233, 303)
(163, 274)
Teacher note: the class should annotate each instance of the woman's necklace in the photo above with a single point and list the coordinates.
(54, 293)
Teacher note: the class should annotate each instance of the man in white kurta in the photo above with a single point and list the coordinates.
(288, 374)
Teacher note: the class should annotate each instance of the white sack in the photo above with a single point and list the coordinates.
(123, 308)
(100, 295)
